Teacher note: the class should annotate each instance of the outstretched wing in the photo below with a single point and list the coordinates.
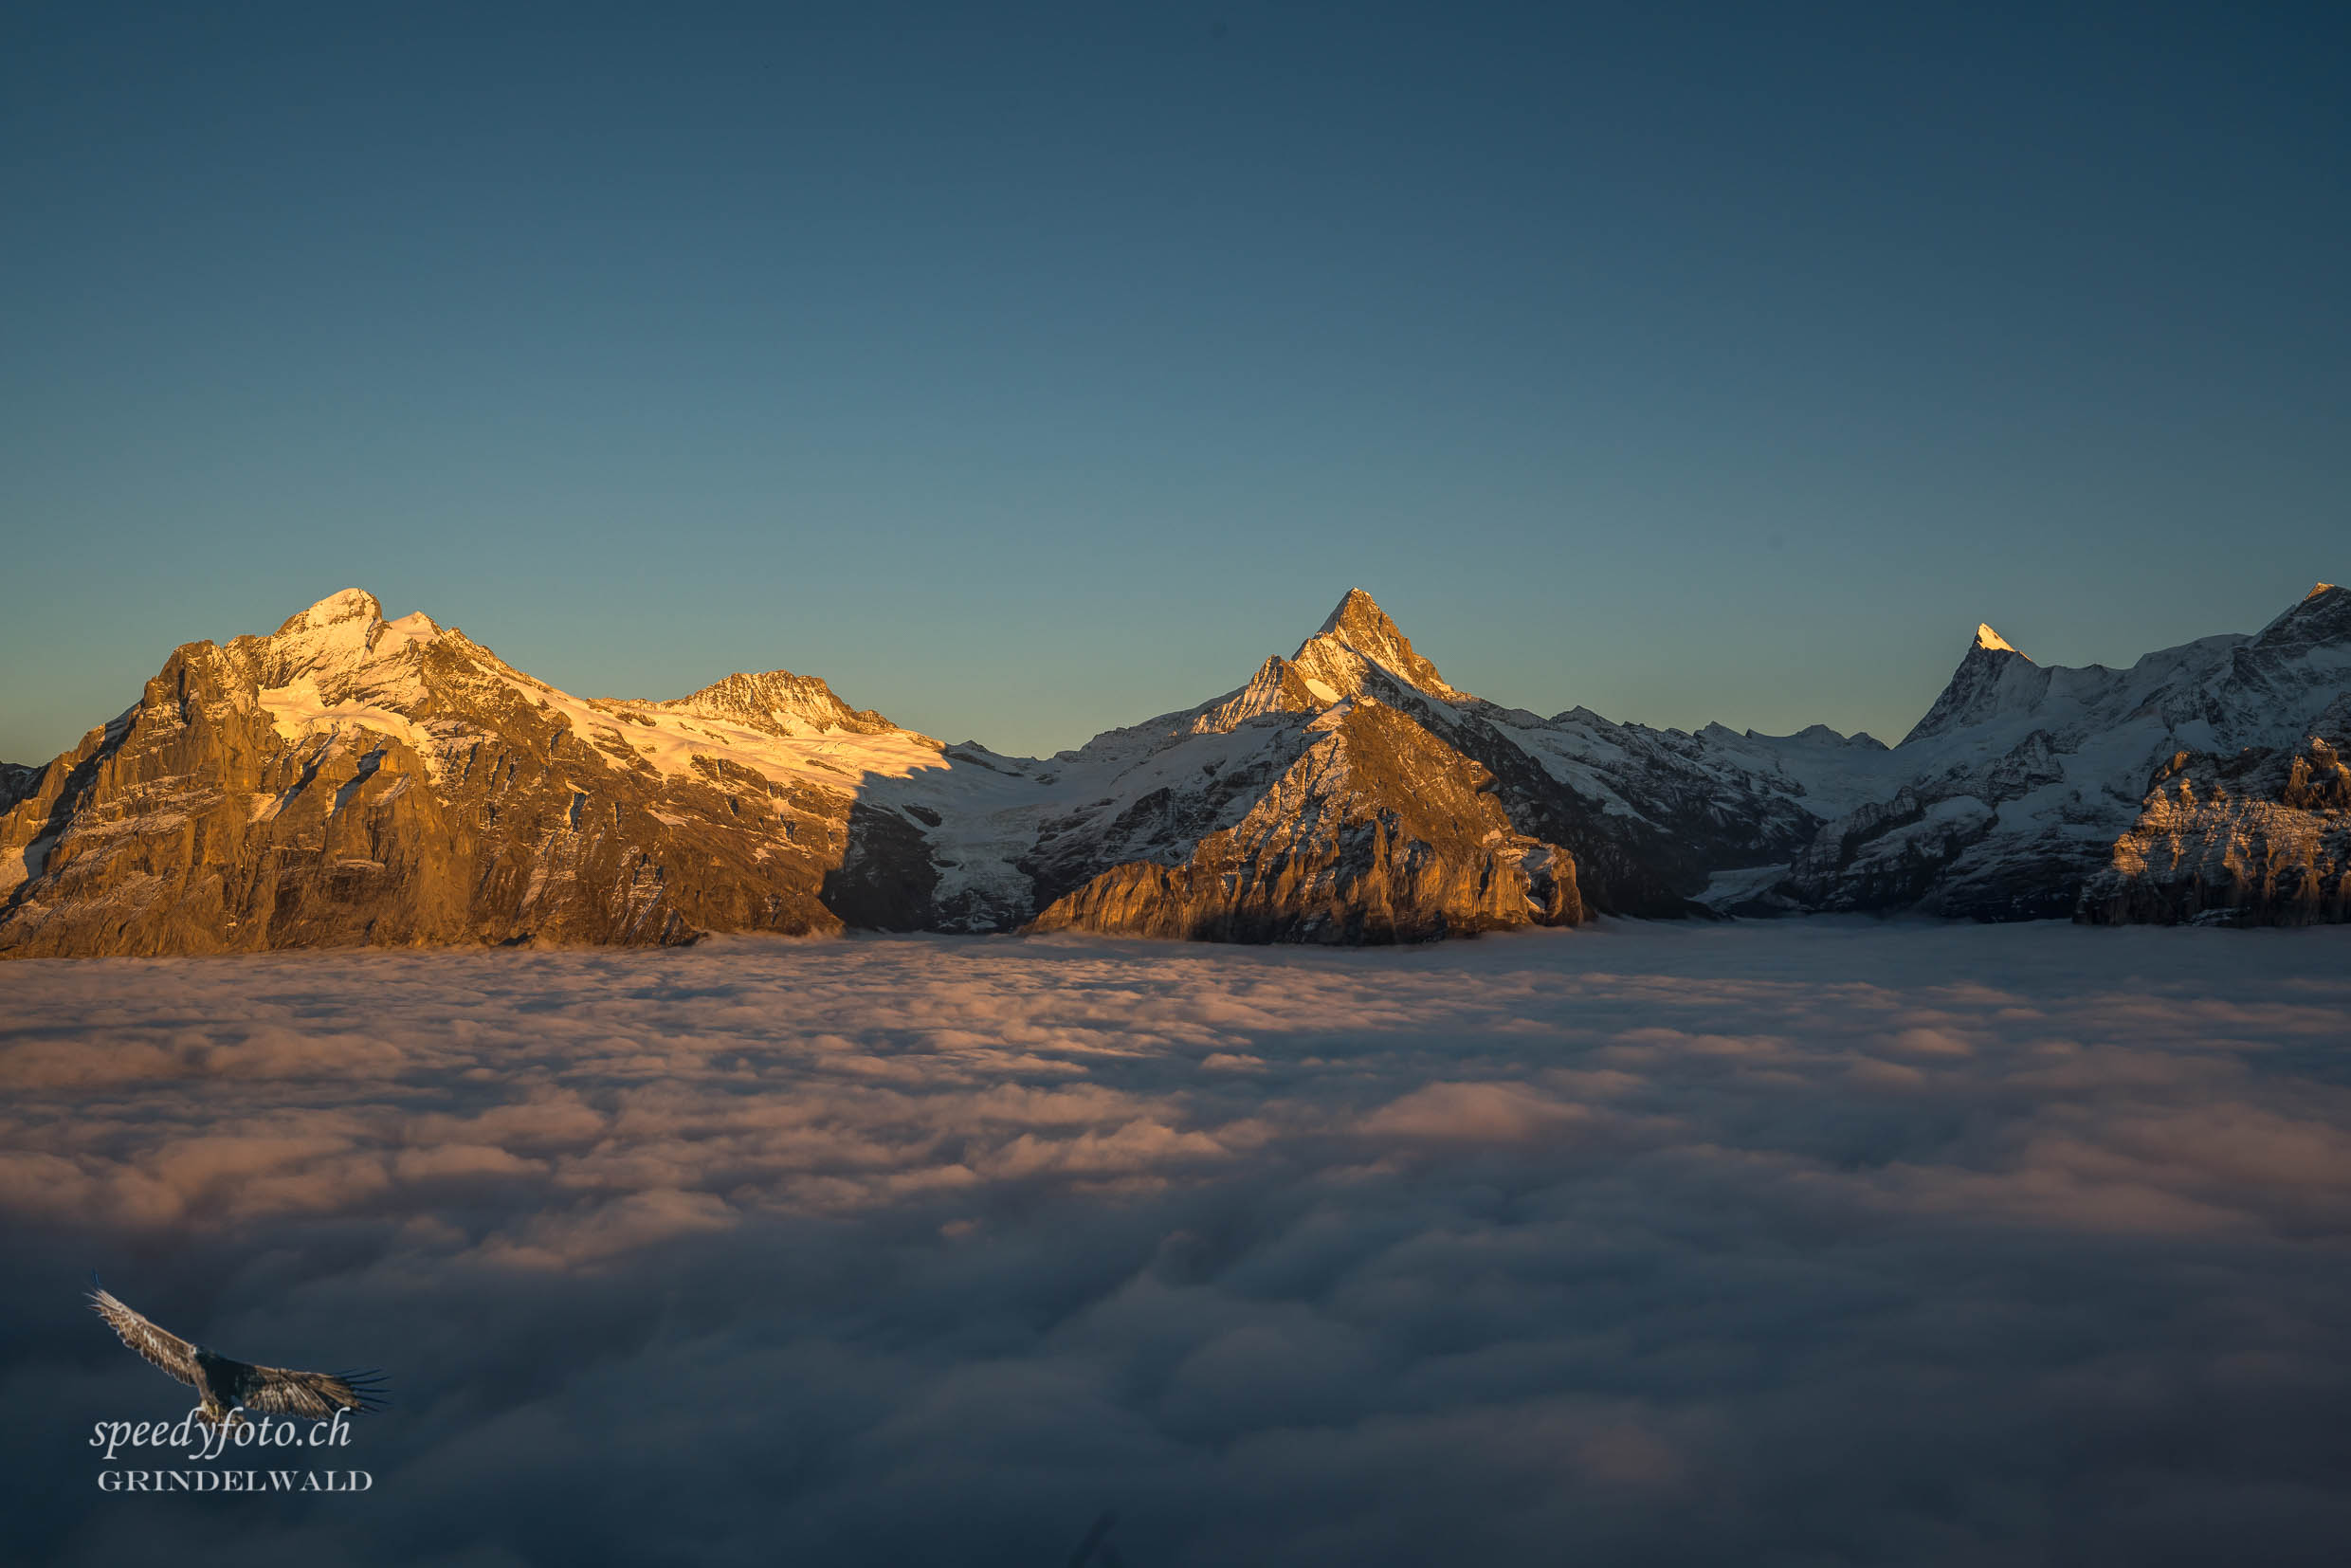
(280, 1391)
(163, 1349)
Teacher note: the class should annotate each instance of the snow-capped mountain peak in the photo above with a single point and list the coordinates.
(1993, 678)
(330, 637)
(779, 703)
(1333, 665)
(1356, 632)
(343, 643)
(350, 604)
(350, 779)
(2324, 614)
(1992, 641)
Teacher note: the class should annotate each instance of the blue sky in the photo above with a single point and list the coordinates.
(1028, 372)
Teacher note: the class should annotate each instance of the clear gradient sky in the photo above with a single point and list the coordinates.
(1025, 370)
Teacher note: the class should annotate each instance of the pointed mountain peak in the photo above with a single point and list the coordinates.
(2322, 615)
(1358, 630)
(1358, 611)
(1992, 642)
(1994, 678)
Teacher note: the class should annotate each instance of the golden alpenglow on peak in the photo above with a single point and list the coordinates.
(1356, 608)
(1357, 625)
(352, 780)
(1987, 638)
(352, 604)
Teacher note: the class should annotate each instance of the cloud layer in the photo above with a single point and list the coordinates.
(1785, 1245)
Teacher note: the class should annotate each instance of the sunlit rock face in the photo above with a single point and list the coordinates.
(356, 780)
(351, 779)
(2261, 834)
(2260, 838)
(1342, 795)
(1635, 820)
(1378, 832)
(2197, 784)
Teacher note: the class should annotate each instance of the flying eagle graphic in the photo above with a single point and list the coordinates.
(224, 1385)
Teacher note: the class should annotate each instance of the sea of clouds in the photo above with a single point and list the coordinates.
(1764, 1245)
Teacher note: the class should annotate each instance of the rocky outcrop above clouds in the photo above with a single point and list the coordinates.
(1337, 796)
(1646, 816)
(1378, 832)
(353, 779)
(2259, 838)
(2189, 786)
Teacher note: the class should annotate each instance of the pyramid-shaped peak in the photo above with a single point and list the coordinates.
(2322, 615)
(1360, 628)
(1994, 678)
(1992, 642)
(1358, 611)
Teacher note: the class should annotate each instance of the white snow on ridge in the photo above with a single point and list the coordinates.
(297, 709)
(2040, 755)
(991, 814)
(668, 742)
(413, 629)
(376, 664)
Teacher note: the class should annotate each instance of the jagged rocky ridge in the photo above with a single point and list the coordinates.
(1326, 801)
(2194, 785)
(353, 779)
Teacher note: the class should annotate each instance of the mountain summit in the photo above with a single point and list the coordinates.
(1993, 677)
(780, 703)
(1991, 640)
(350, 779)
(1359, 652)
(1358, 630)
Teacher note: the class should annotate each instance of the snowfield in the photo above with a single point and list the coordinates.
(1802, 1243)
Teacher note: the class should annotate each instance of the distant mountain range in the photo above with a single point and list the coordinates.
(351, 779)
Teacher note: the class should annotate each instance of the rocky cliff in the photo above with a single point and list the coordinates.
(2261, 838)
(2192, 785)
(1329, 799)
(1645, 815)
(1378, 832)
(353, 779)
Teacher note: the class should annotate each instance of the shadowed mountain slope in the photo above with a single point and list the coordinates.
(352, 780)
